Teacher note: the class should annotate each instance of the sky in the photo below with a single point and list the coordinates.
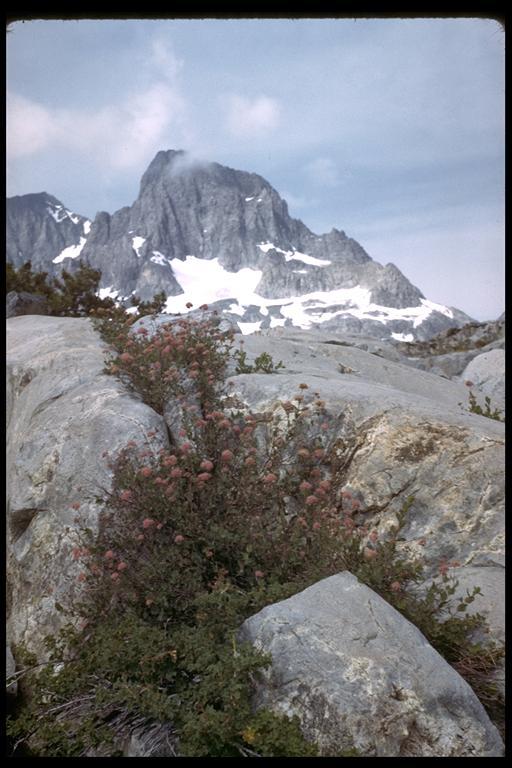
(389, 129)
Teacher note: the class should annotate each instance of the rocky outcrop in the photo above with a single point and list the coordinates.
(63, 413)
(404, 432)
(449, 352)
(357, 674)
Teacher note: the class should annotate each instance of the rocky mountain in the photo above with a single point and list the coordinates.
(42, 230)
(205, 233)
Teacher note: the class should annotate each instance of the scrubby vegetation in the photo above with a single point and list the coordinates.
(490, 413)
(70, 295)
(238, 511)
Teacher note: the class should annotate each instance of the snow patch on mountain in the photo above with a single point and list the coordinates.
(59, 213)
(71, 252)
(206, 281)
(137, 243)
(296, 255)
(108, 292)
(247, 328)
(159, 258)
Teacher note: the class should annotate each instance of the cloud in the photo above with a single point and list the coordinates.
(248, 118)
(323, 172)
(119, 136)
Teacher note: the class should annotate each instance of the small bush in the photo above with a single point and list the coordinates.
(474, 407)
(262, 364)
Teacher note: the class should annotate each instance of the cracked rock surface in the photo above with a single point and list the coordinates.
(63, 412)
(358, 674)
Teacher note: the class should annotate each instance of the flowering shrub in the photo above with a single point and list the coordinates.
(247, 510)
(179, 358)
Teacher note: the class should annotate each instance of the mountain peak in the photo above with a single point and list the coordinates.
(206, 233)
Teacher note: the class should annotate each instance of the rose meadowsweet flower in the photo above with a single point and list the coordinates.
(114, 576)
(305, 486)
(179, 538)
(122, 566)
(303, 453)
(316, 525)
(203, 477)
(310, 500)
(126, 495)
(148, 522)
(396, 586)
(76, 505)
(76, 553)
(126, 357)
(176, 472)
(369, 554)
(270, 478)
(250, 461)
(170, 461)
(207, 465)
(226, 455)
(109, 555)
(146, 471)
(259, 574)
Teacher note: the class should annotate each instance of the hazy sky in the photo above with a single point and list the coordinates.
(390, 129)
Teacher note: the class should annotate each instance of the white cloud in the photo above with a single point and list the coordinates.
(121, 135)
(248, 118)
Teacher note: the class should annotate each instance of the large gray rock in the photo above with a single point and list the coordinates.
(358, 674)
(63, 413)
(487, 372)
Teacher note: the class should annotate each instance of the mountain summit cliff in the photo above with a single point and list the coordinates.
(205, 233)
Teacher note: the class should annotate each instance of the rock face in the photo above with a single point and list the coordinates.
(207, 233)
(357, 674)
(450, 351)
(40, 229)
(62, 414)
